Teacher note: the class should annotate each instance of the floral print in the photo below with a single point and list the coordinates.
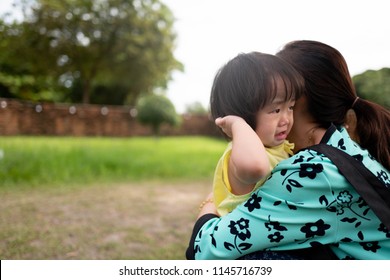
(384, 178)
(344, 197)
(306, 202)
(240, 229)
(253, 202)
(306, 170)
(310, 170)
(370, 246)
(344, 201)
(276, 236)
(317, 228)
(384, 229)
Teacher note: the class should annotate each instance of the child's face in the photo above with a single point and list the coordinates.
(275, 120)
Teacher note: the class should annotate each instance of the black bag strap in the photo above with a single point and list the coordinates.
(370, 188)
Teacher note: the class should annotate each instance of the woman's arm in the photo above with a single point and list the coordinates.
(287, 212)
(248, 161)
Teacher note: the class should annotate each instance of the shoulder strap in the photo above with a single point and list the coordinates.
(371, 189)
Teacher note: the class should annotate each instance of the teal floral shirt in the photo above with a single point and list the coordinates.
(305, 202)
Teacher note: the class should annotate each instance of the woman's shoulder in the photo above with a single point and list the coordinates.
(339, 138)
(310, 160)
(342, 141)
(336, 137)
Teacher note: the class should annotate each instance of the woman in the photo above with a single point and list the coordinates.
(332, 97)
(307, 203)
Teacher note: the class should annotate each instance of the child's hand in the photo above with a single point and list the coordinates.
(226, 123)
(208, 206)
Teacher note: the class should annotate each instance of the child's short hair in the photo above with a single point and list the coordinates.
(248, 82)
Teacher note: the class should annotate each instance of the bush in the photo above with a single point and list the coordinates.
(155, 110)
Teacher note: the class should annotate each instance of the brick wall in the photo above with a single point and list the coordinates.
(27, 118)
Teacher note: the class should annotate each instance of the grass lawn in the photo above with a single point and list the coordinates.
(102, 198)
(45, 161)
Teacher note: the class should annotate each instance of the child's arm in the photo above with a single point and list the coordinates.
(248, 161)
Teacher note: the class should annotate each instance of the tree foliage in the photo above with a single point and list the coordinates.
(196, 108)
(374, 85)
(105, 51)
(155, 110)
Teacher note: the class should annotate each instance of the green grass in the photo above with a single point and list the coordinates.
(102, 198)
(55, 161)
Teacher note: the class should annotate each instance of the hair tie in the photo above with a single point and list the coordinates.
(354, 102)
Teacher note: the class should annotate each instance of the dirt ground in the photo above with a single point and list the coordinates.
(150, 220)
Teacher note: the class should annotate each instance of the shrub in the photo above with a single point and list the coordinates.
(155, 110)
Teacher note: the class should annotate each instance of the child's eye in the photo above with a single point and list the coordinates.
(275, 111)
(291, 108)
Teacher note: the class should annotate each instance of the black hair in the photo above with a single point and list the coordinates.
(330, 94)
(248, 82)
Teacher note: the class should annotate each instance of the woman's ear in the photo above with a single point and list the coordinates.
(351, 124)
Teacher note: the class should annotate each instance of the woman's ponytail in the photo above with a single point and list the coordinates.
(373, 129)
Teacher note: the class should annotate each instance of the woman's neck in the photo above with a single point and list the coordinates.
(315, 135)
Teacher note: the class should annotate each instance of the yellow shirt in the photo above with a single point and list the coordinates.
(223, 197)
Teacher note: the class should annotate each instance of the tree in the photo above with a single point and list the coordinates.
(155, 110)
(80, 47)
(374, 85)
(196, 108)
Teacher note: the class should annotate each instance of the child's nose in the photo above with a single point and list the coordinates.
(285, 119)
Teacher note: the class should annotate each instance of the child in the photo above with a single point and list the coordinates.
(252, 100)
